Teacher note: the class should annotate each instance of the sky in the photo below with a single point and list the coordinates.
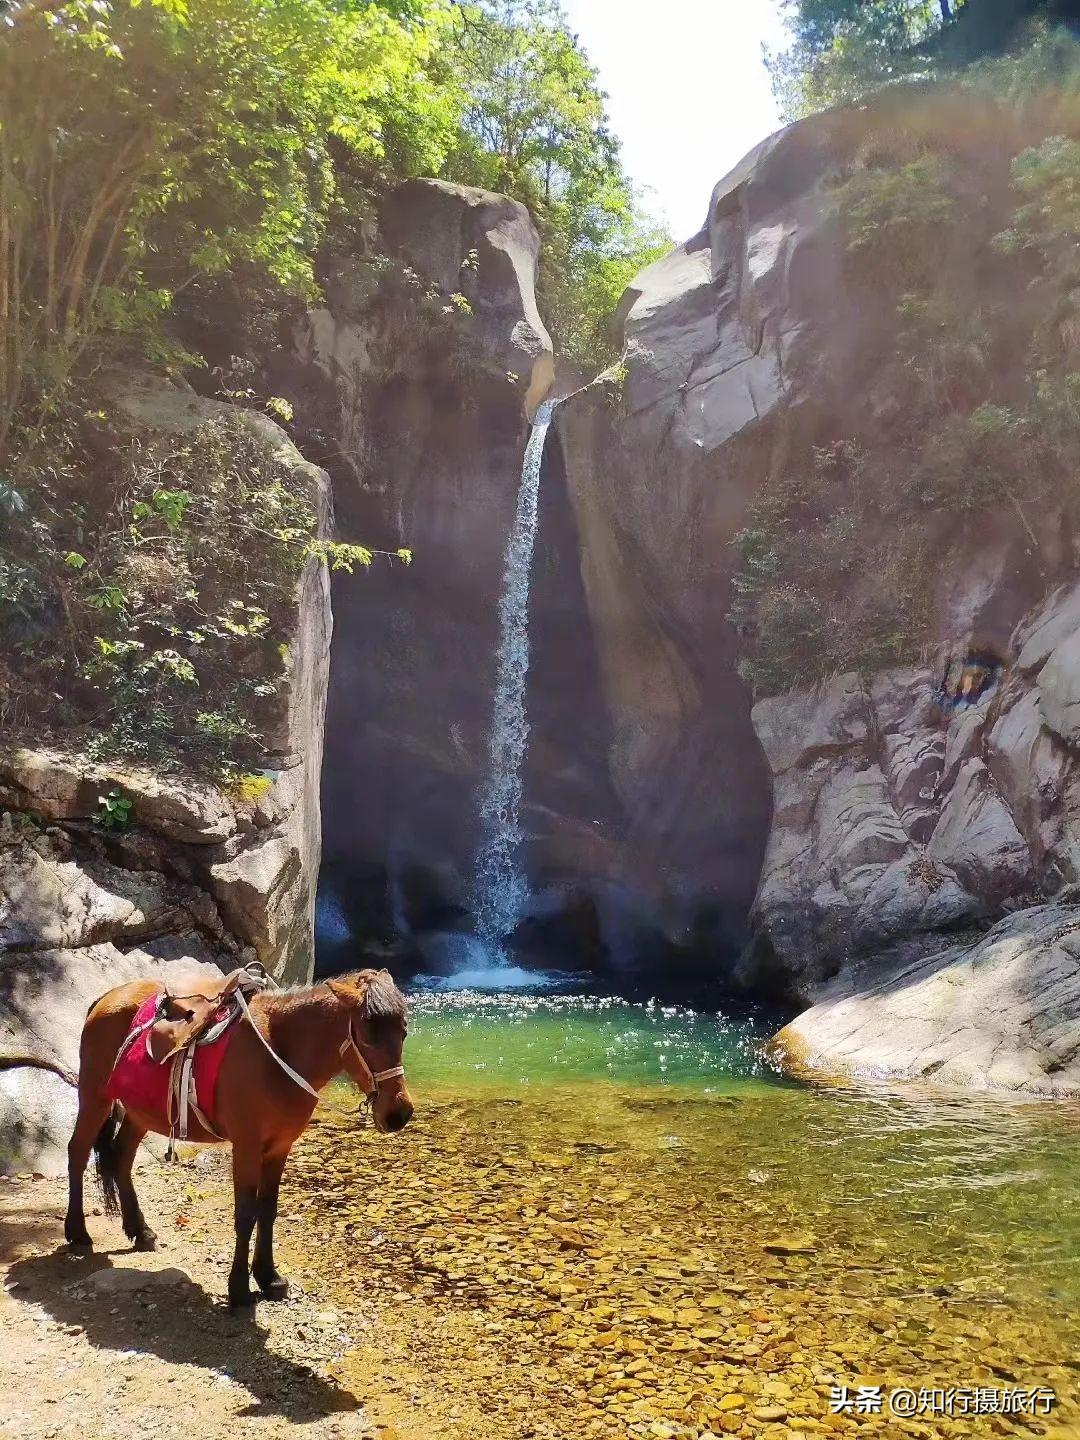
(688, 93)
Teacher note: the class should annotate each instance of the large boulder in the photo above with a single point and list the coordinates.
(44, 997)
(998, 1013)
(485, 247)
(264, 869)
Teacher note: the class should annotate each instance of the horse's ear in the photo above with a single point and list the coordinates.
(348, 992)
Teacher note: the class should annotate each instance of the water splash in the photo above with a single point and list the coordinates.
(500, 889)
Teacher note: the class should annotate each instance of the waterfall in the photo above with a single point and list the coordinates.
(500, 888)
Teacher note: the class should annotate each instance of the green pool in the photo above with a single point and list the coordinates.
(649, 1228)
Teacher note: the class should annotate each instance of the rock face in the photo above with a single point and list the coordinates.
(897, 804)
(898, 813)
(656, 807)
(484, 247)
(198, 879)
(999, 1013)
(418, 373)
(901, 805)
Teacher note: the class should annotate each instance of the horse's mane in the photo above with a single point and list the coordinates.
(382, 1000)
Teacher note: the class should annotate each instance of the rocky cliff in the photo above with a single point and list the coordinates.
(196, 875)
(416, 380)
(419, 369)
(773, 375)
(796, 480)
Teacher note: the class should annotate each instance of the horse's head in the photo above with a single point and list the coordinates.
(377, 1024)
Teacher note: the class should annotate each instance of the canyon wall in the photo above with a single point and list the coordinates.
(912, 805)
(197, 877)
(416, 380)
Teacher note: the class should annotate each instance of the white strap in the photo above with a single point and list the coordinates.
(391, 1074)
(292, 1074)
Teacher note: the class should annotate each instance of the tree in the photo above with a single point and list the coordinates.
(841, 49)
(534, 124)
(144, 146)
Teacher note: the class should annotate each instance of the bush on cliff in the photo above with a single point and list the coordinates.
(150, 599)
(975, 349)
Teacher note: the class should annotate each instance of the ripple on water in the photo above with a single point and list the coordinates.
(525, 1038)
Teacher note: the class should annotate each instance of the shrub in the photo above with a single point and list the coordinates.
(893, 218)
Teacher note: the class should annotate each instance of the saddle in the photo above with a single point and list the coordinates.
(181, 1023)
(182, 1020)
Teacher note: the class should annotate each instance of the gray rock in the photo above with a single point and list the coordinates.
(904, 700)
(1048, 626)
(1000, 1014)
(37, 1116)
(800, 725)
(1059, 689)
(119, 1280)
(485, 246)
(913, 765)
(976, 837)
(47, 902)
(64, 787)
(45, 994)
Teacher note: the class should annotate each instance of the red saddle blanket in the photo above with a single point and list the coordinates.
(140, 1083)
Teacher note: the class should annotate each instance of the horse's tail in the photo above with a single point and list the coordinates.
(17, 1062)
(105, 1162)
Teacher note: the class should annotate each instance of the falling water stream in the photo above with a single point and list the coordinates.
(499, 883)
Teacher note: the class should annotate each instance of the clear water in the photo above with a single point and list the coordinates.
(513, 1040)
(614, 1220)
(500, 888)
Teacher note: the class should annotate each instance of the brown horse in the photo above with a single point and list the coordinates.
(355, 1023)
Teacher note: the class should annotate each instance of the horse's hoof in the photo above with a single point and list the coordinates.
(80, 1243)
(276, 1288)
(241, 1299)
(145, 1240)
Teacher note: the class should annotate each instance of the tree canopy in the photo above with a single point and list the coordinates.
(147, 147)
(841, 49)
(534, 124)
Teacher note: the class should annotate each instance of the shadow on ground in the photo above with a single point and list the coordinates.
(178, 1322)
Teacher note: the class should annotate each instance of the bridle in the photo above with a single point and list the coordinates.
(358, 1069)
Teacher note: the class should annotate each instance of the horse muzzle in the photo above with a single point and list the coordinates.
(394, 1117)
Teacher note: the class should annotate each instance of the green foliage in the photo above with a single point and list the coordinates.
(893, 218)
(166, 623)
(1047, 177)
(841, 50)
(973, 461)
(825, 585)
(170, 625)
(157, 149)
(535, 126)
(114, 811)
(144, 147)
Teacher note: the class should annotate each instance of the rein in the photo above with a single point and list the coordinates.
(349, 1052)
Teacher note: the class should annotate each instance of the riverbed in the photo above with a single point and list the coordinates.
(613, 1219)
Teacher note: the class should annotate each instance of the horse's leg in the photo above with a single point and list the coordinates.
(93, 1112)
(272, 1285)
(247, 1167)
(127, 1142)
